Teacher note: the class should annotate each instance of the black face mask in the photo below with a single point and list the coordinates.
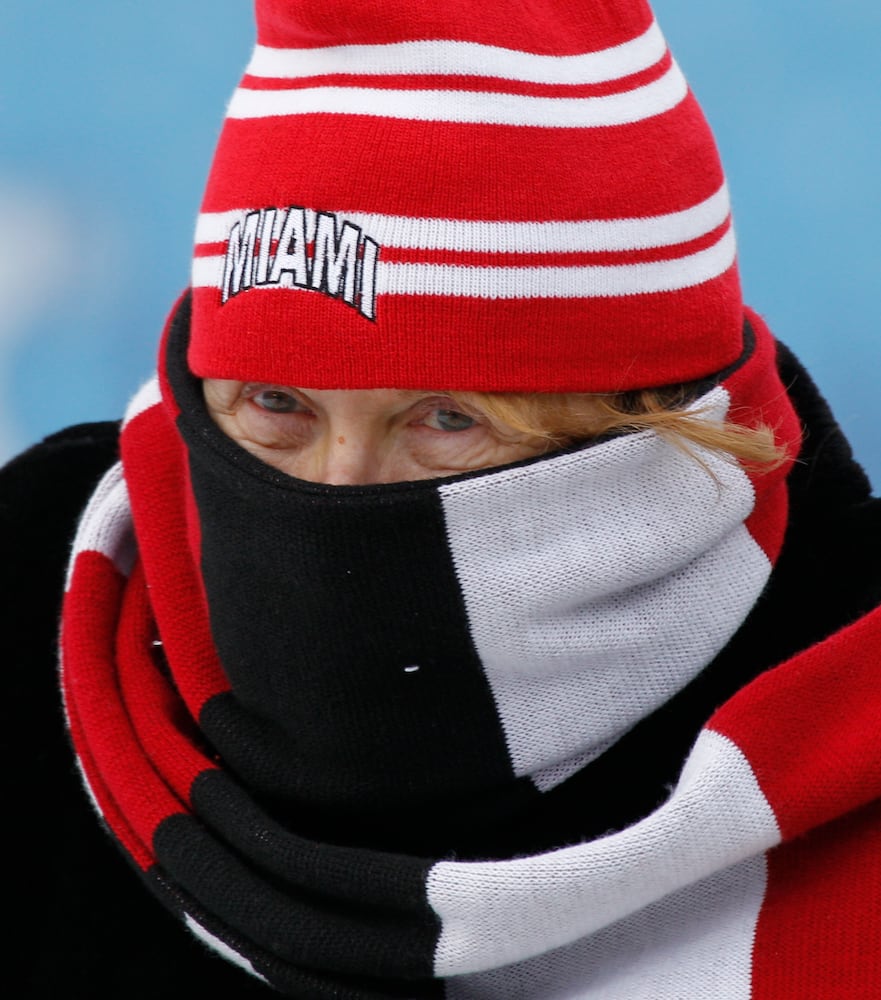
(342, 629)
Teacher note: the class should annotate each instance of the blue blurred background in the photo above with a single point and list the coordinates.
(110, 109)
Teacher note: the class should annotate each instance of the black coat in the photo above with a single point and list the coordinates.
(84, 926)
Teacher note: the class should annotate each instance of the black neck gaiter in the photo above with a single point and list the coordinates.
(340, 624)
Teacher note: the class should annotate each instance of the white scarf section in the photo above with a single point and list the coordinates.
(598, 583)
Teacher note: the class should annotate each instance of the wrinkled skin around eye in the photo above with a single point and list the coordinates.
(360, 436)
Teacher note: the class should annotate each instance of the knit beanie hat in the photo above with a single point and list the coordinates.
(458, 195)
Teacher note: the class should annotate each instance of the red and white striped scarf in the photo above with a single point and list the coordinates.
(757, 876)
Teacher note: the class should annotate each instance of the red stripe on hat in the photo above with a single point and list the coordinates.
(472, 84)
(614, 258)
(344, 163)
(210, 249)
(544, 28)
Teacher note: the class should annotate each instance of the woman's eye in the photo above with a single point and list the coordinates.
(278, 401)
(449, 420)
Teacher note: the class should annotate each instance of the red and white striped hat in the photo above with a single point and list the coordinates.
(462, 195)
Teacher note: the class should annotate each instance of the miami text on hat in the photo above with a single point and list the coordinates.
(270, 246)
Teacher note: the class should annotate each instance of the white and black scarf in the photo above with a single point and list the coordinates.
(355, 736)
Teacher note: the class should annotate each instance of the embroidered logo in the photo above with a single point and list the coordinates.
(276, 246)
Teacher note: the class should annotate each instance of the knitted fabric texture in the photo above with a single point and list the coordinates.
(692, 899)
(464, 196)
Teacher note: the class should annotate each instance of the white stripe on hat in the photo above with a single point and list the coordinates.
(579, 236)
(207, 272)
(451, 58)
(579, 282)
(576, 236)
(587, 281)
(471, 107)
